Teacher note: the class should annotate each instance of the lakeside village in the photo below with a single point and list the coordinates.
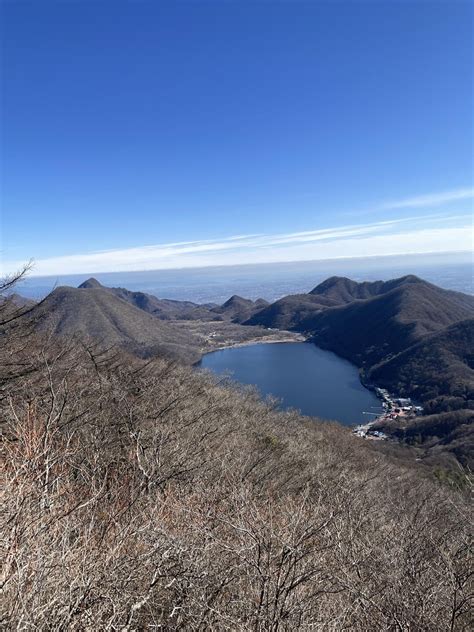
(393, 408)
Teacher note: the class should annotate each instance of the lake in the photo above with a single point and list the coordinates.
(302, 376)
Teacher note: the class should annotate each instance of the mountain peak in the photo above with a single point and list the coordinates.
(90, 283)
(237, 300)
(331, 282)
(344, 290)
(409, 278)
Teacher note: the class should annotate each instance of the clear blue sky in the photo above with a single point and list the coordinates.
(133, 124)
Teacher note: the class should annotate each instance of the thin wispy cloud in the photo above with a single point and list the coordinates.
(416, 234)
(432, 199)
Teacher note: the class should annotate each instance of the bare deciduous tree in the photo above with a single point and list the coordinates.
(142, 495)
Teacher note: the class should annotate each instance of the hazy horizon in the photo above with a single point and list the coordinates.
(269, 280)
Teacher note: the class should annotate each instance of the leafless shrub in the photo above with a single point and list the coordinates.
(140, 495)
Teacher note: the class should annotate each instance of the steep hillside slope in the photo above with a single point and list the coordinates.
(415, 298)
(99, 314)
(165, 309)
(236, 309)
(417, 370)
(438, 435)
(343, 290)
(439, 372)
(144, 495)
(290, 311)
(368, 331)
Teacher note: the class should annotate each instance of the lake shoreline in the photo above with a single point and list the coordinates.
(293, 337)
(309, 381)
(290, 337)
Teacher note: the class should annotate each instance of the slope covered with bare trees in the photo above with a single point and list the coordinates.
(143, 495)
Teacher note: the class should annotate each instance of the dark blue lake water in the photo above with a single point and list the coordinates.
(302, 376)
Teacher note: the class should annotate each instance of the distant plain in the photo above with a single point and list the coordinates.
(271, 281)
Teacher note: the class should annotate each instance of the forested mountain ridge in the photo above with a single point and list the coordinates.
(370, 323)
(365, 331)
(345, 290)
(235, 309)
(142, 493)
(165, 309)
(239, 309)
(298, 309)
(449, 353)
(407, 335)
(101, 314)
(143, 324)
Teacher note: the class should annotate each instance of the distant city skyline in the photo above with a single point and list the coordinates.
(142, 135)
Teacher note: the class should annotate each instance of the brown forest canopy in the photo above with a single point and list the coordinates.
(141, 494)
